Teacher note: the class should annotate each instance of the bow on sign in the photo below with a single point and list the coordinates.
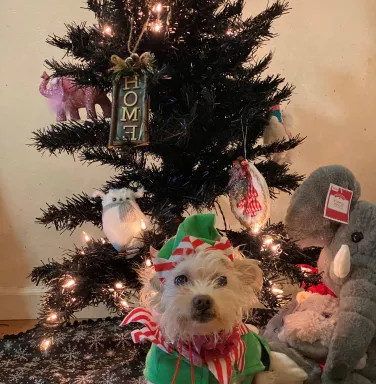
(134, 61)
(249, 204)
(187, 246)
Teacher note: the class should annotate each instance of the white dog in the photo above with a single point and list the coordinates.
(203, 298)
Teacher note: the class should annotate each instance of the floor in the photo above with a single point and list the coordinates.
(10, 327)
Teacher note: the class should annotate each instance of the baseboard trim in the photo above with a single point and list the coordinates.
(22, 303)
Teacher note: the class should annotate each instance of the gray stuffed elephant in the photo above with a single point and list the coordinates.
(348, 263)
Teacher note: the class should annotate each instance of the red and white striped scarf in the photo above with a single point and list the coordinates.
(187, 246)
(222, 367)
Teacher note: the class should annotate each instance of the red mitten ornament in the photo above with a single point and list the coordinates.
(249, 195)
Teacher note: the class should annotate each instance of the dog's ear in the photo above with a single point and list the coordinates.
(249, 272)
(155, 284)
(150, 285)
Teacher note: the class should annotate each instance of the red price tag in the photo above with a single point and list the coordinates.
(337, 205)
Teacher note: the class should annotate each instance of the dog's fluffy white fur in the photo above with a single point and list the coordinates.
(171, 304)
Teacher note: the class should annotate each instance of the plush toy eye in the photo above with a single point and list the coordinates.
(181, 280)
(357, 236)
(127, 198)
(114, 199)
(221, 281)
(326, 315)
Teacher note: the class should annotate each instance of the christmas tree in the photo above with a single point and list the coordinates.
(210, 101)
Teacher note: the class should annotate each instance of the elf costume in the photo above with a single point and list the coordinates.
(241, 354)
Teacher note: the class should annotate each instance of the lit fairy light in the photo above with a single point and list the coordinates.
(157, 27)
(86, 236)
(69, 283)
(275, 248)
(268, 241)
(103, 240)
(148, 262)
(256, 228)
(229, 32)
(157, 8)
(143, 225)
(119, 285)
(111, 290)
(277, 291)
(45, 344)
(107, 30)
(124, 304)
(52, 317)
(82, 252)
(73, 299)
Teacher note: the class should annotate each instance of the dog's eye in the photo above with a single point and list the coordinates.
(326, 315)
(127, 198)
(114, 199)
(221, 281)
(181, 280)
(357, 236)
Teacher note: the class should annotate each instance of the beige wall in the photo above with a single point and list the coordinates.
(326, 48)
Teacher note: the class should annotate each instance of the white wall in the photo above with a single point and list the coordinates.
(28, 180)
(326, 48)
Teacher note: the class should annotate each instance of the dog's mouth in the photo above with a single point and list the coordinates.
(203, 316)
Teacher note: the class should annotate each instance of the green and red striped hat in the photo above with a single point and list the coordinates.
(196, 233)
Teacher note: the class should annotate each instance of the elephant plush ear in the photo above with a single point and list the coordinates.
(305, 221)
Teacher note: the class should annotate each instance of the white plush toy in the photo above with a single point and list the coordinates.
(279, 128)
(123, 221)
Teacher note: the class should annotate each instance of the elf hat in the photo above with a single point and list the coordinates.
(196, 233)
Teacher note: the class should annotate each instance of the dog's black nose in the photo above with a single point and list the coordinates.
(202, 302)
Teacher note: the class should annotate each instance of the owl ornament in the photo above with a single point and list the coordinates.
(279, 128)
(123, 221)
(249, 195)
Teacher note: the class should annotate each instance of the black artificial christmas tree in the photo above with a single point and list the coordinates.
(209, 104)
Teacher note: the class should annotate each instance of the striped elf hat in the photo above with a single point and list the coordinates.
(196, 233)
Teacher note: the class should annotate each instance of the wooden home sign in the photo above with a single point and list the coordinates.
(130, 111)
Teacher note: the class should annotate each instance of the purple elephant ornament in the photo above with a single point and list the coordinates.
(65, 96)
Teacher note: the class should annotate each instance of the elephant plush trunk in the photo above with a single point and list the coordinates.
(356, 325)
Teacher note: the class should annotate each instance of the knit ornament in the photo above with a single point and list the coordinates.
(249, 195)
